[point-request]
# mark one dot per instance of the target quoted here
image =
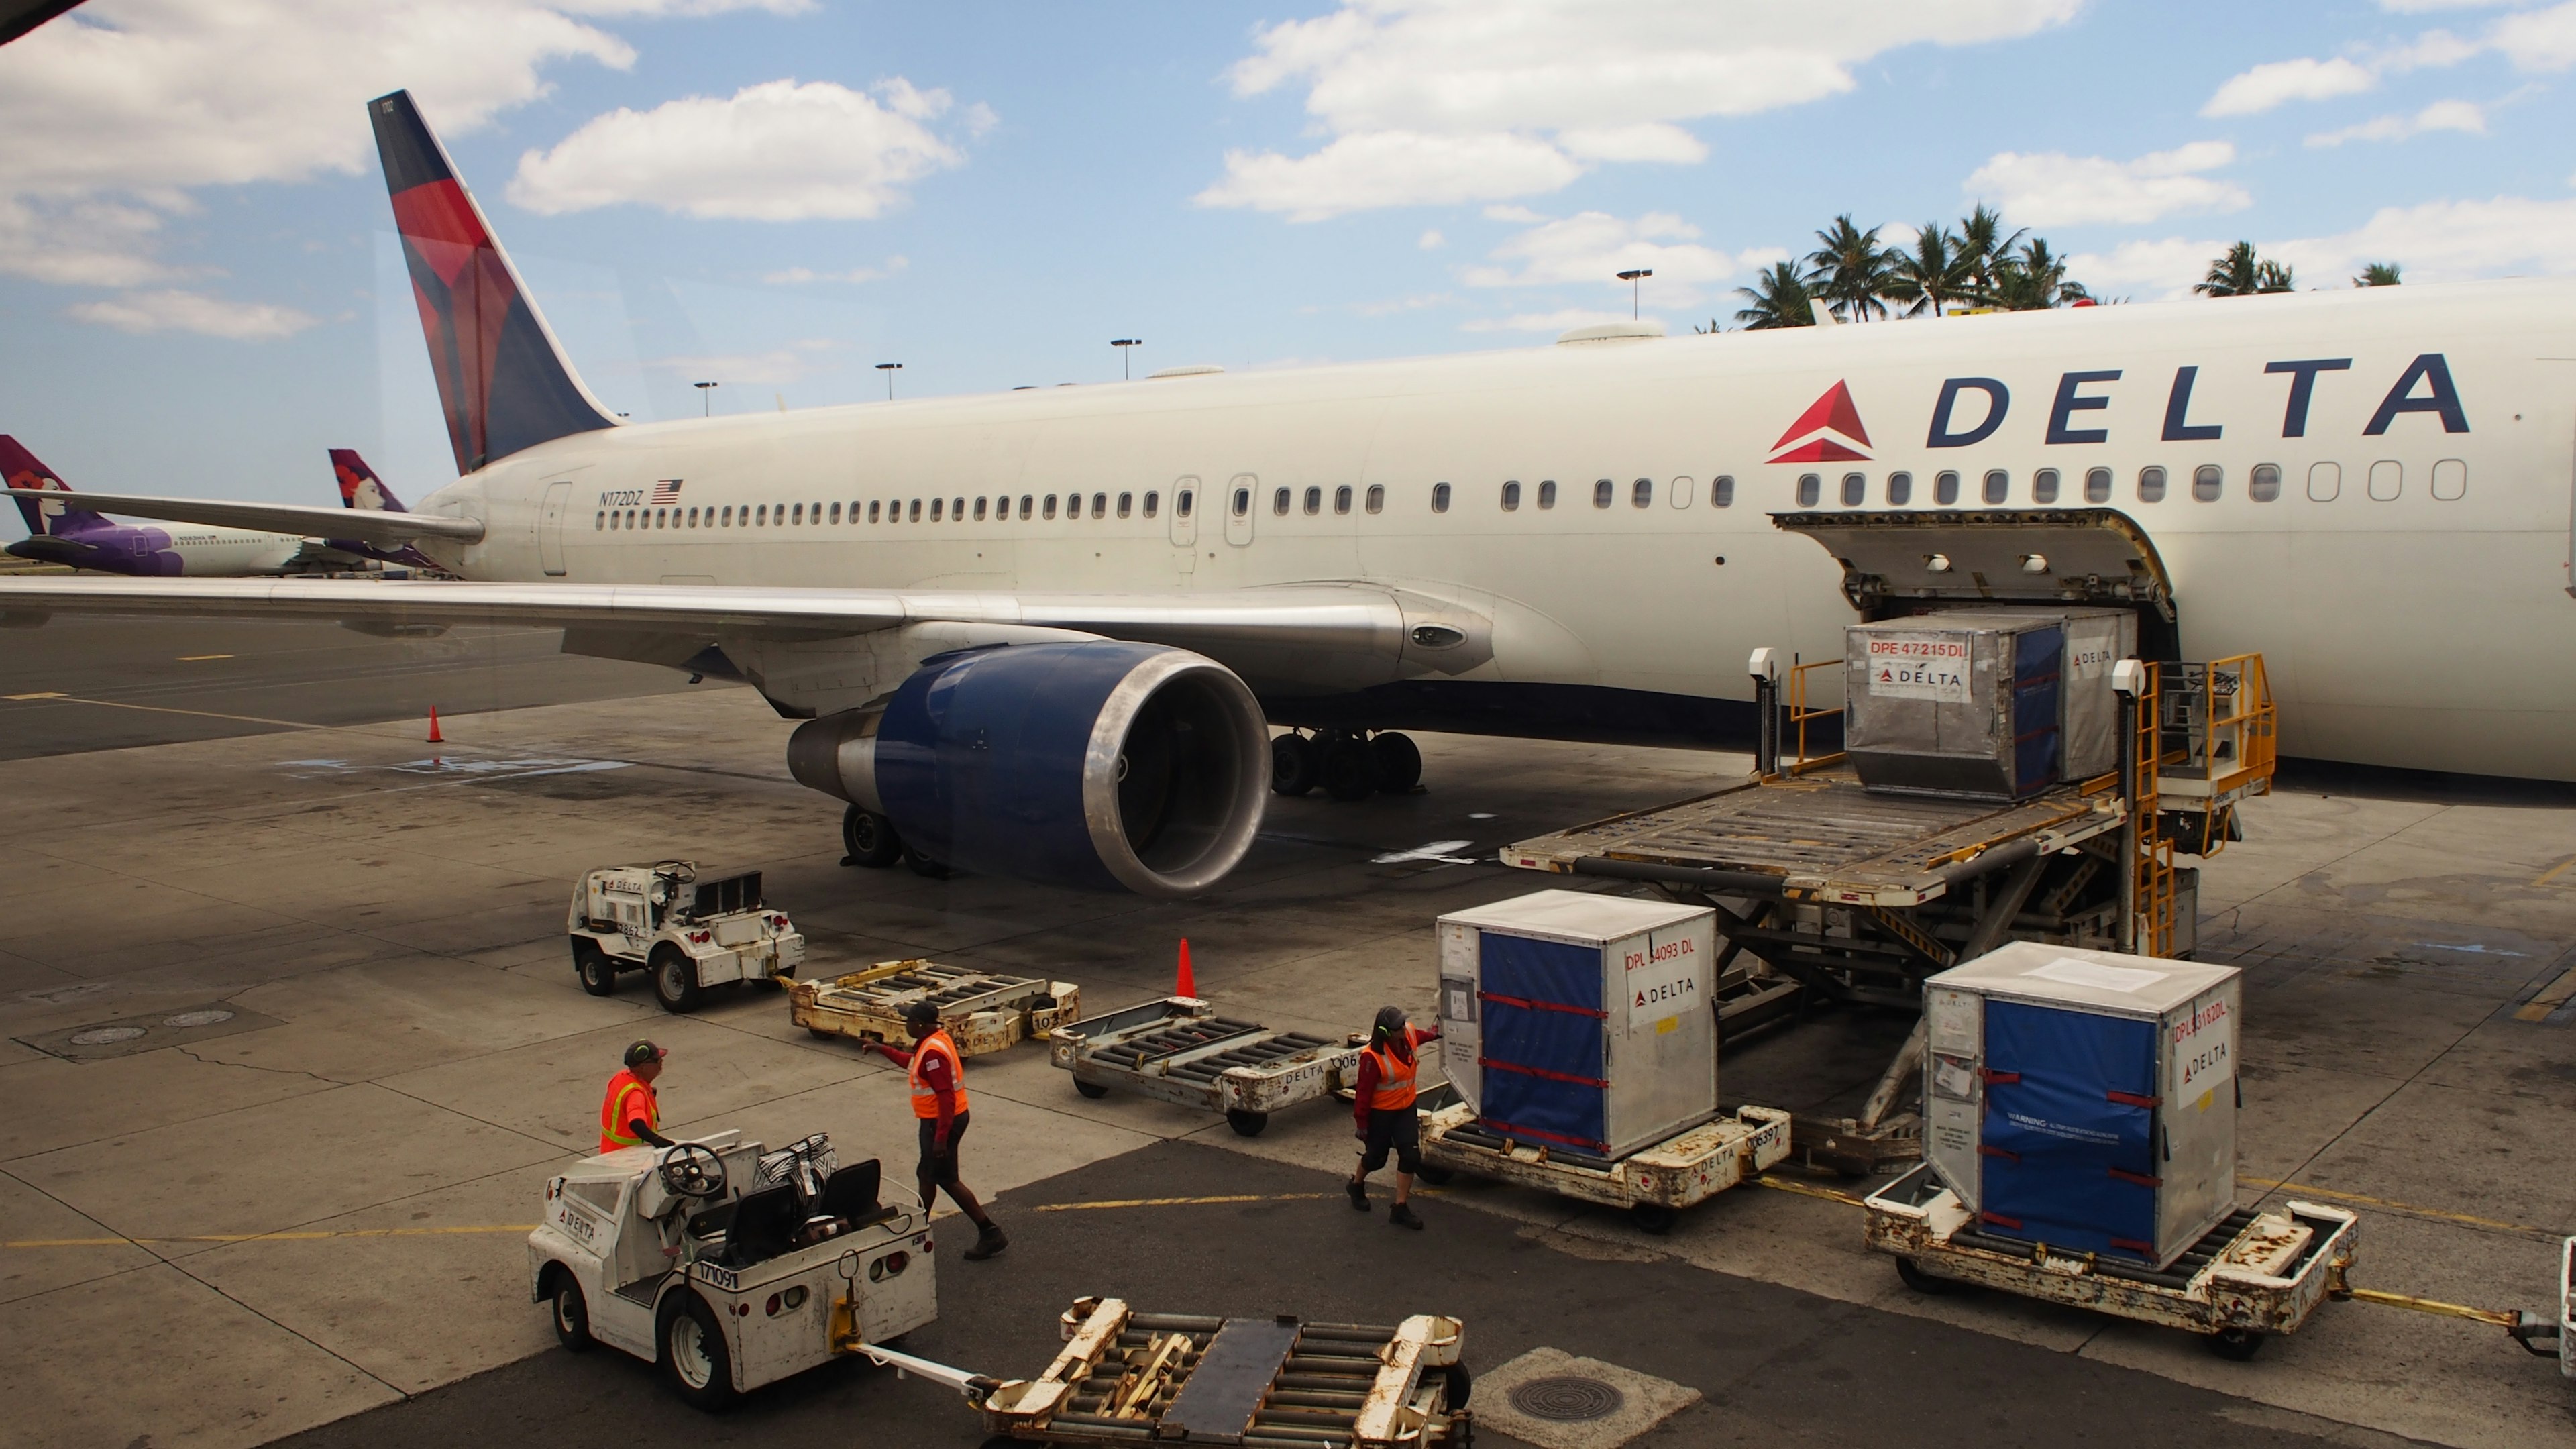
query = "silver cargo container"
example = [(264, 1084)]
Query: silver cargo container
[(2089, 709), (2084, 1099), (1985, 703)]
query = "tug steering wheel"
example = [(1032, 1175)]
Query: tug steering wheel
[(693, 1169)]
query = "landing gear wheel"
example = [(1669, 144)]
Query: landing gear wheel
[(598, 974), (1653, 1218), (869, 838), (1091, 1089), (1348, 770), (1294, 769), (923, 865), (675, 979), (1246, 1124), (1437, 1176), (1456, 1385), (695, 1357), (572, 1316), (1399, 763), (1920, 1281), (2236, 1344)]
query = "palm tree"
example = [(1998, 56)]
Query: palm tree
[(2377, 274), (1982, 242), (1780, 299), (2241, 273), (1851, 270), (1930, 277), (2033, 278)]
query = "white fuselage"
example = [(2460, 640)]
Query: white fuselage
[(209, 552), (2407, 587)]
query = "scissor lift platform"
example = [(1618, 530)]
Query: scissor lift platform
[(2252, 1276), (982, 1011), (1180, 1050)]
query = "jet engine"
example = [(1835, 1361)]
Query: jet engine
[(1095, 763)]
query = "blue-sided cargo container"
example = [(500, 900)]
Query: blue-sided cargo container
[(2084, 1099), (1581, 1022), (1991, 704)]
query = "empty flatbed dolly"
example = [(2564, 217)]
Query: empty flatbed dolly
[(1179, 1050), (2254, 1275), (1126, 1377), (982, 1011)]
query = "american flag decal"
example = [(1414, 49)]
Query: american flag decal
[(665, 491)]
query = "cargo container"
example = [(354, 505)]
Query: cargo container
[(1984, 704), (2084, 1099), (1581, 1022)]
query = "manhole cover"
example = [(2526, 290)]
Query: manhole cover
[(1567, 1398), (106, 1035), (196, 1018)]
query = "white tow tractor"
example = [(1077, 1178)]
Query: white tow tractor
[(689, 933), (729, 1266)]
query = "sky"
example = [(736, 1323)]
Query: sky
[(201, 293)]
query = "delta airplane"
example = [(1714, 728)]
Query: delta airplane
[(1046, 633)]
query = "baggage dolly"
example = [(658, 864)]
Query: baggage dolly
[(1272, 1383), (2254, 1275), (981, 1010), (1653, 1184), (1180, 1050)]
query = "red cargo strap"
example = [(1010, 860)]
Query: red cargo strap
[(1529, 1005), (1987, 1149), (1507, 1129), (2140, 1178), (2132, 1099), (2143, 1250), (1993, 1077), (1999, 1220), (1541, 1072)]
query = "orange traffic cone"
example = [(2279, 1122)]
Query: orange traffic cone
[(435, 737), (1187, 984)]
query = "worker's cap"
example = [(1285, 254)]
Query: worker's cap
[(921, 1013), (1390, 1020), (639, 1052)]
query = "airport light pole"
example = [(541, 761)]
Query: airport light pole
[(889, 369), (1122, 344), (1632, 279), (706, 394)]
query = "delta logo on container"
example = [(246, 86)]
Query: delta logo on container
[(1829, 431)]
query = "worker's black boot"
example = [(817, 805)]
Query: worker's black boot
[(1401, 1215), (1359, 1194), (988, 1242)]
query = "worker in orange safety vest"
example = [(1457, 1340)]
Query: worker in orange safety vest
[(1388, 1120), (937, 1074), (630, 1113)]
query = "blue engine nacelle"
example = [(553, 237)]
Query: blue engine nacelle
[(1098, 763)]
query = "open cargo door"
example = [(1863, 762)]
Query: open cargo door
[(1894, 562)]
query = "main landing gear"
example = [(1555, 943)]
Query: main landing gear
[(1345, 764), (870, 840)]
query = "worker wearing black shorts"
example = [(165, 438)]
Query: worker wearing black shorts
[(1387, 1117), (938, 1077)]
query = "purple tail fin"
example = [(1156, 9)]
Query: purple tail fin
[(502, 380), (359, 485), (22, 469)]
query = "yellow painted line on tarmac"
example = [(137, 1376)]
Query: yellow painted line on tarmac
[(2408, 1208), (2555, 871), (1805, 1189), (199, 658), (2552, 996), (40, 694), (298, 1237), (295, 724), (1136, 1202)]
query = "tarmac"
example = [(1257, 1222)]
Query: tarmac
[(307, 1219)]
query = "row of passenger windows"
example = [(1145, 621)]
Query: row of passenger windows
[(1605, 492), (2387, 481), (798, 515)]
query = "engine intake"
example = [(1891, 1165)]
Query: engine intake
[(1100, 763)]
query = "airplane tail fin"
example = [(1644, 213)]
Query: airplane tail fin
[(502, 378), (44, 517), (359, 485)]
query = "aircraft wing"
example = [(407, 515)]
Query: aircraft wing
[(387, 530)]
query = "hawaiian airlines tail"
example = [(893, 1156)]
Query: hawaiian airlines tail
[(45, 517), (502, 380), (359, 485)]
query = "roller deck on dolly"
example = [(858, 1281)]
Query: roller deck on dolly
[(1180, 1050), (1830, 891), (981, 1010), (1654, 1185)]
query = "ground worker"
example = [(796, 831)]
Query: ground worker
[(937, 1073), (630, 1113), (1387, 1118)]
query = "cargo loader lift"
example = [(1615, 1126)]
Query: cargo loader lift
[(1126, 1377), (981, 1010), (1826, 891), (1180, 1050)]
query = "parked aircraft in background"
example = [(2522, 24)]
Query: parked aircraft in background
[(360, 488), (61, 531), (1044, 633)]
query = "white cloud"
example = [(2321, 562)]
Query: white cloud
[(2440, 116), (2158, 268), (175, 311), (2538, 39), (1593, 247), (1433, 101), (777, 367), (1432, 240), (799, 276), (1557, 321), (2445, 241), (778, 151), (2052, 188), (2280, 81)]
